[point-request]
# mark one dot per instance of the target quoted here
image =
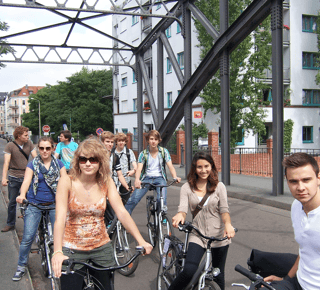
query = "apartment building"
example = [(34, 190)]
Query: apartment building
[(301, 93), (17, 104), (2, 112)]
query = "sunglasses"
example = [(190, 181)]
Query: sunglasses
[(45, 148), (84, 160)]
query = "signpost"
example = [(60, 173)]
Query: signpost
[(46, 129), (99, 131)]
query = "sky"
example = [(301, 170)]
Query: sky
[(17, 75)]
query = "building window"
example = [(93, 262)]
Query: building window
[(168, 32), (124, 81), (23, 102), (169, 65), (135, 134), (135, 19), (23, 111), (169, 99), (181, 60), (134, 77), (240, 136), (307, 134), (311, 97), (159, 5), (124, 130), (135, 106), (178, 25), (309, 23), (309, 60)]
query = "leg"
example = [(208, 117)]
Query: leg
[(73, 281), (219, 257), (160, 181), (31, 223), (13, 191), (134, 199), (102, 278), (194, 255)]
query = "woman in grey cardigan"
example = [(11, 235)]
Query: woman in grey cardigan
[(212, 220)]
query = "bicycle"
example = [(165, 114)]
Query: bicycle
[(90, 281), (44, 241), (173, 260), (158, 222), (257, 280)]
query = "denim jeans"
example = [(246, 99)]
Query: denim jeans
[(14, 185), (31, 223), (138, 194)]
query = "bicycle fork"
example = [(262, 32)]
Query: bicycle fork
[(208, 272), (48, 241)]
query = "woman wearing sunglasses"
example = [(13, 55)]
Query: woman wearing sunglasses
[(39, 186), (79, 231)]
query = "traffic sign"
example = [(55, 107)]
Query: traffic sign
[(46, 128), (99, 131)]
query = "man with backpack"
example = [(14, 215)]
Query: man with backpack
[(151, 168)]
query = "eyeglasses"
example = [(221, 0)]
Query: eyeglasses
[(84, 160), (45, 148)]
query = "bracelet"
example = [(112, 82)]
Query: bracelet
[(56, 252)]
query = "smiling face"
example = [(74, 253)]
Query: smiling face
[(203, 169), (304, 186), (108, 143), (88, 163), (45, 149)]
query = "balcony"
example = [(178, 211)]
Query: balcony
[(148, 55), (146, 24), (14, 125), (286, 74), (12, 115), (13, 106)]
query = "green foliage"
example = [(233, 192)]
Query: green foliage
[(287, 135), (4, 50), (247, 63), (77, 100), (200, 130)]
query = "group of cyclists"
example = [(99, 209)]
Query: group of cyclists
[(98, 164)]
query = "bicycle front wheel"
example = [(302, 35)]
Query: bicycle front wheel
[(165, 228), (124, 248), (209, 285), (151, 221)]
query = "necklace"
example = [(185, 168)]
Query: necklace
[(87, 191)]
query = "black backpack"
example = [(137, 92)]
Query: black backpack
[(114, 157)]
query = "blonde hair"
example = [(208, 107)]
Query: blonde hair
[(120, 137), (106, 135), (95, 148)]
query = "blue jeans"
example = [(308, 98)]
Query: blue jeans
[(31, 223), (14, 185), (138, 194)]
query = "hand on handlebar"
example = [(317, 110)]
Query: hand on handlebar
[(137, 183), (20, 199), (272, 278), (56, 261), (229, 231), (177, 179), (178, 218), (147, 248)]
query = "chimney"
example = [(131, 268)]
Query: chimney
[(26, 86)]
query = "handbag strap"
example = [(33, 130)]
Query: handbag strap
[(24, 153), (200, 205)]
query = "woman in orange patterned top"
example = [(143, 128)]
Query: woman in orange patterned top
[(79, 230)]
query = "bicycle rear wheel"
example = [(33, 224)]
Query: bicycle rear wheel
[(151, 223), (165, 228), (124, 248)]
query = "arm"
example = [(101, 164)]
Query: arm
[(64, 186), (122, 180), (124, 217), (56, 154), (28, 175), (228, 228), (173, 171), (7, 158), (134, 170), (137, 183), (34, 152), (180, 217)]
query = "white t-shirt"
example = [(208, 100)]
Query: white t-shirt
[(154, 168), (307, 234)]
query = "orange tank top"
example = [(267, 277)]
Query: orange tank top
[(85, 228)]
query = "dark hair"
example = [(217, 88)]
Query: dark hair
[(155, 134), (66, 134), (192, 177), (300, 159), (19, 131), (46, 138)]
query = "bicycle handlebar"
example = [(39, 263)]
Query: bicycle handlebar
[(188, 227), (157, 185), (253, 277), (71, 262)]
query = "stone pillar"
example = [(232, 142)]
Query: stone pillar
[(180, 139), (129, 142), (269, 145), (213, 143)]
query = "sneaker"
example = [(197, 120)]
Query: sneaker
[(18, 275)]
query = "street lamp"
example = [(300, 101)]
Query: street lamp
[(39, 117)]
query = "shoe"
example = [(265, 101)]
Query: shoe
[(8, 228), (18, 275)]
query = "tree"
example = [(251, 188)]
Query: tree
[(247, 64), (77, 102), (198, 130), (4, 49)]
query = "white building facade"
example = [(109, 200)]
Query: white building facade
[(300, 50)]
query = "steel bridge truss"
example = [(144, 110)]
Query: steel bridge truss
[(225, 41)]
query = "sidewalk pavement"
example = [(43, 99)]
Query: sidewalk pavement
[(9, 253), (252, 188)]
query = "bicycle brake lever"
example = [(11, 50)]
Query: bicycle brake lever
[(241, 285)]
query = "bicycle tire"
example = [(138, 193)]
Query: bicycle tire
[(165, 229), (169, 268), (42, 251), (55, 283), (151, 221), (123, 249), (209, 285)]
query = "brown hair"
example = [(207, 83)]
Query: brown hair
[(120, 137), (106, 135), (192, 177), (300, 159), (46, 138), (19, 131), (96, 148), (66, 134), (155, 134)]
